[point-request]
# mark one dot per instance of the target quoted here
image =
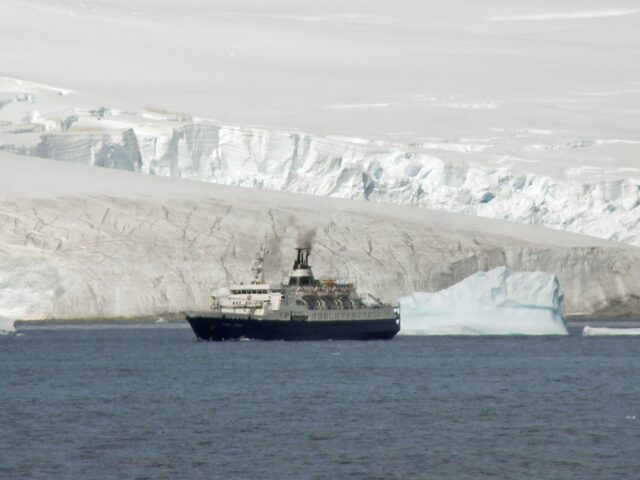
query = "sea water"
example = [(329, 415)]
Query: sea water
[(152, 402)]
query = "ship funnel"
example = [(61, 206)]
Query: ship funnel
[(302, 259), (302, 275)]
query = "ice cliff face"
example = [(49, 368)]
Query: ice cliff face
[(498, 302), (99, 149), (459, 175), (301, 163), (78, 242)]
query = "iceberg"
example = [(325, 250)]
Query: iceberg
[(607, 331), (6, 325), (497, 302)]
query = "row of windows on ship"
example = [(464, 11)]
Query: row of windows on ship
[(248, 292), (352, 315), (348, 315), (353, 306)]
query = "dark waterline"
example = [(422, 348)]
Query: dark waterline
[(151, 402)]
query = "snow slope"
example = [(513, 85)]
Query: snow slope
[(78, 242), (498, 302), (53, 123)]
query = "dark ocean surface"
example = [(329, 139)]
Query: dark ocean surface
[(151, 402)]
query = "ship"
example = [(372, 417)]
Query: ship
[(304, 308)]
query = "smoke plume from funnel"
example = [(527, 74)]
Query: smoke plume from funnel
[(306, 238), (273, 261)]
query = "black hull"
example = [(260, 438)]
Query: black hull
[(232, 327)]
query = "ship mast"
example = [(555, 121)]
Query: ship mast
[(258, 263)]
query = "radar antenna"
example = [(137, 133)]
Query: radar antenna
[(258, 263)]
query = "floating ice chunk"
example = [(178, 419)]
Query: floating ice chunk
[(498, 302), (6, 325), (606, 331)]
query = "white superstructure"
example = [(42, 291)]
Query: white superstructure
[(304, 298)]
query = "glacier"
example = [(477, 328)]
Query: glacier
[(314, 98), (80, 242), (497, 302), (472, 126), (468, 176)]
